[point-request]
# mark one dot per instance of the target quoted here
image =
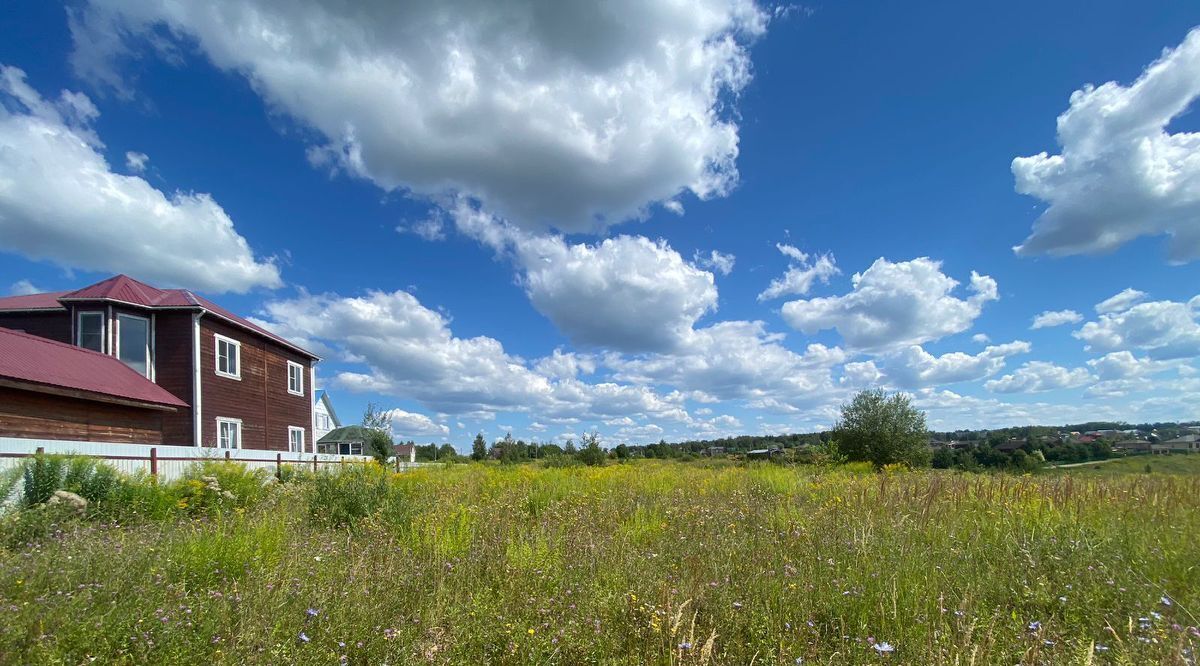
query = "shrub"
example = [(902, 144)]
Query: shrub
[(217, 485), (343, 498), (43, 475)]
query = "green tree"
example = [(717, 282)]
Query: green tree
[(883, 429), (478, 448), (570, 449), (379, 437), (591, 453)]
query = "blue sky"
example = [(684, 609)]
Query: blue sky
[(492, 217)]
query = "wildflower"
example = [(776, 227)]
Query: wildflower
[(1166, 601), (1100, 647), (1062, 599), (312, 612), (530, 631), (685, 646), (737, 605), (304, 637), (799, 660), (884, 647), (1035, 626)]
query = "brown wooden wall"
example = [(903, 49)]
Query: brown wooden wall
[(50, 325), (29, 414), (173, 371), (260, 399)]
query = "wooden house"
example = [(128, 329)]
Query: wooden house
[(237, 385)]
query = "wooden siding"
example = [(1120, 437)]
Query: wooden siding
[(173, 371), (29, 414), (49, 325), (260, 399)]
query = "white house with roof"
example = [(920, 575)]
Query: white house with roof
[(325, 419)]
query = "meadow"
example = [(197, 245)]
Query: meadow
[(639, 563)]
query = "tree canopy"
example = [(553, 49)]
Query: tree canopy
[(882, 429)]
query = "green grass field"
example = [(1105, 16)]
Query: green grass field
[(1169, 464), (659, 563)]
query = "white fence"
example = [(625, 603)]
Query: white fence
[(169, 462)]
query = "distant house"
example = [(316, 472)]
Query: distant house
[(1141, 446), (1184, 444), (53, 390), (325, 418), (1011, 445), (759, 454), (405, 452), (714, 451), (348, 440), (233, 384)]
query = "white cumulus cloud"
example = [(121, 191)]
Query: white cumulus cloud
[(1038, 376), (1120, 173), (716, 261), (895, 304), (570, 114), (407, 425), (1162, 329), (914, 367), (1124, 300), (1051, 318), (61, 202), (801, 273)]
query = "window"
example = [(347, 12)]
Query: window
[(133, 342), (351, 448), (295, 439), (295, 378), (229, 433), (89, 331), (323, 421), (229, 357)]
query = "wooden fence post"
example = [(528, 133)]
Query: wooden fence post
[(314, 463), (227, 454), (154, 462), (41, 450), (279, 466), (397, 463)]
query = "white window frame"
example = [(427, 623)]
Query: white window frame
[(237, 423), (149, 341), (292, 430), (237, 355), (292, 365), (79, 328)]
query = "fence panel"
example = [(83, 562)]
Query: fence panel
[(169, 462)]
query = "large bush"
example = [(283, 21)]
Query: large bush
[(883, 430)]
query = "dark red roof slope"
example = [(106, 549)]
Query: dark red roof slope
[(28, 358), (124, 289), (46, 301)]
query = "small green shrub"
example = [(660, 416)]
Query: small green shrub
[(218, 485), (344, 497), (42, 475)]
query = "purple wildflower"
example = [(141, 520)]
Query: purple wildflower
[(884, 647), (304, 637)]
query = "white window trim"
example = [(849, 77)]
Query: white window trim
[(149, 341), (236, 422), (79, 328), (294, 429), (299, 377), (237, 348)]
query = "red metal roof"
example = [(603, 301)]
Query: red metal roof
[(28, 358), (46, 301), (124, 289)]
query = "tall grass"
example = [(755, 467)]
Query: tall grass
[(656, 563)]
